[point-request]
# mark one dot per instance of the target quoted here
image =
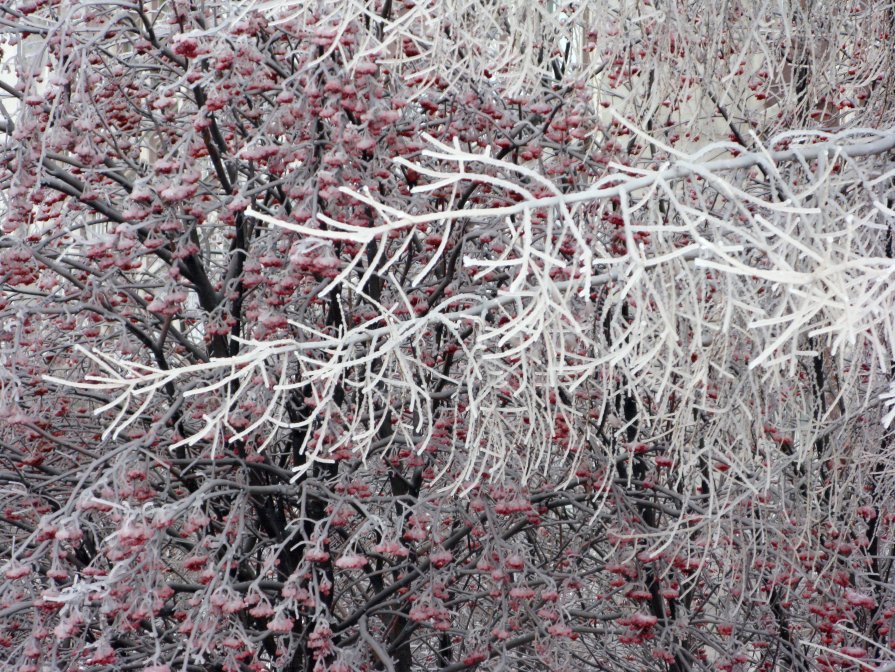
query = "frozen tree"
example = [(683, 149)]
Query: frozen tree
[(447, 335)]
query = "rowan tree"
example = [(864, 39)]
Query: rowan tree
[(445, 335)]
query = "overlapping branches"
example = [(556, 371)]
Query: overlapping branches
[(280, 285), (780, 256)]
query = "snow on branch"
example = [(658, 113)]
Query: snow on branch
[(657, 276)]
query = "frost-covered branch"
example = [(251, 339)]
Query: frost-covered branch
[(800, 275)]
